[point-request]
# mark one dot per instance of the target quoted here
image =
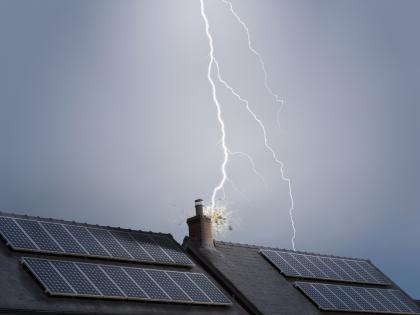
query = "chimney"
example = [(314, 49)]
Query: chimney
[(200, 227)]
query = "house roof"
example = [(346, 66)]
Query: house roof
[(252, 283), (21, 293), (250, 276)]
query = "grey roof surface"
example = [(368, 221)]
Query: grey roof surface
[(21, 294), (250, 276)]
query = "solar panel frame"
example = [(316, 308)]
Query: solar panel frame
[(85, 241), (62, 268), (336, 300), (311, 266)]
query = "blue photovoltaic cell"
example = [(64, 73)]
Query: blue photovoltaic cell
[(209, 288), (307, 263), (369, 299), (14, 235), (106, 281), (173, 251), (147, 284), (343, 275), (315, 295), (100, 279), (294, 264), (151, 247), (351, 298), (403, 298), (188, 286), (360, 297), (76, 279), (348, 299), (48, 276), (383, 300), (80, 240), (63, 237), (391, 297), (328, 292), (86, 239), (280, 263), (123, 281), (131, 246), (364, 273), (353, 274), (330, 273), (109, 242), (167, 284), (38, 235), (375, 273)]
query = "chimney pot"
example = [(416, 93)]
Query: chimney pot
[(199, 207)]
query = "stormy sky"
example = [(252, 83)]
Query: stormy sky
[(106, 117)]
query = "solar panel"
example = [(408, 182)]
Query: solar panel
[(109, 243), (87, 240), (331, 297), (188, 286), (309, 266), (75, 278), (102, 281), (64, 238), (123, 281), (36, 233), (14, 235), (131, 246), (154, 291), (172, 250), (208, 287), (156, 252), (109, 281), (78, 240), (168, 285), (49, 277)]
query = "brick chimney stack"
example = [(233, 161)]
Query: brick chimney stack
[(200, 227)]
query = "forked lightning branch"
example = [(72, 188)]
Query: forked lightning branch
[(214, 69)]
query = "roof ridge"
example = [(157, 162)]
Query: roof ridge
[(72, 222), (284, 249)]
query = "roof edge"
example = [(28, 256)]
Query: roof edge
[(97, 226)]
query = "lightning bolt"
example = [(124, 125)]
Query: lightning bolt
[(225, 149), (275, 96), (226, 152)]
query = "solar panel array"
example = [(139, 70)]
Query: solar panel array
[(324, 267), (67, 278), (69, 239), (357, 299)]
